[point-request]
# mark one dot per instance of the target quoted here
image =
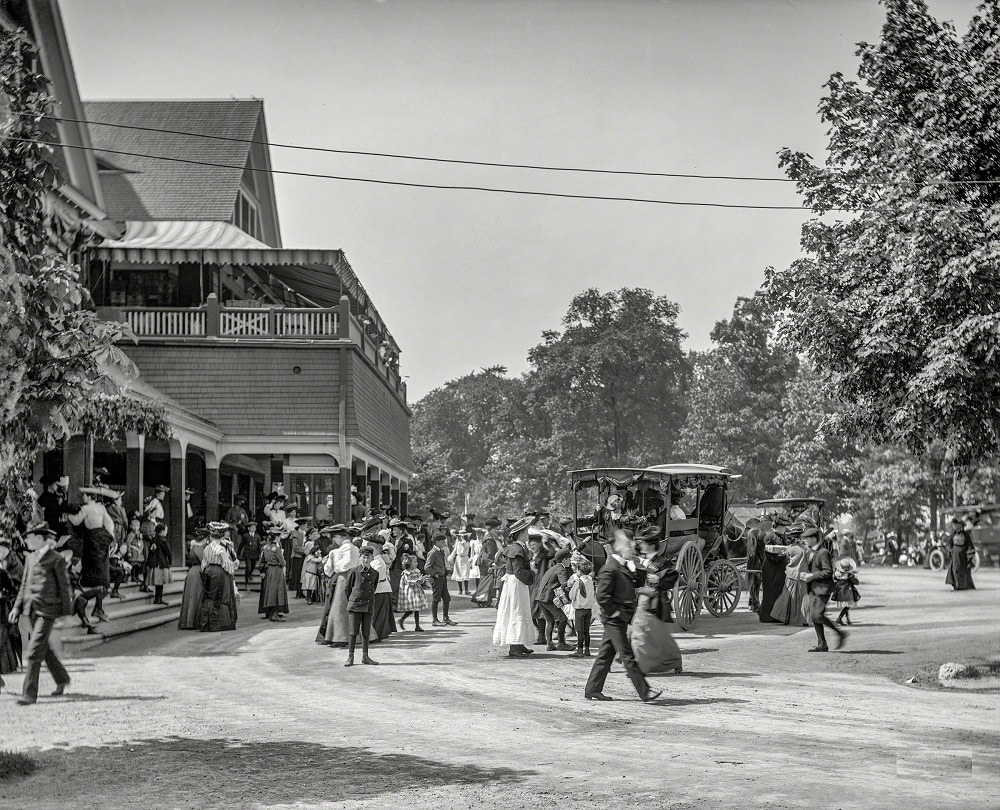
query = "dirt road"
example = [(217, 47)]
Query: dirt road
[(263, 717)]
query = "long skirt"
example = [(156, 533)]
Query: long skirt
[(395, 575), (960, 571), (338, 628), (483, 594), (218, 604), (10, 641), (95, 562), (327, 605), (194, 591), (788, 607), (295, 573), (514, 625), (772, 575), (383, 622), (273, 591), (652, 642)]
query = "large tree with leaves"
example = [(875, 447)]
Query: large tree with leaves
[(614, 379), (897, 299), (735, 402), (62, 368)]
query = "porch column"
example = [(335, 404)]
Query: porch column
[(342, 503), (212, 487), (175, 513), (78, 462), (404, 504), (135, 444), (374, 488)]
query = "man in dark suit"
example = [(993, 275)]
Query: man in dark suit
[(45, 595), (615, 589)]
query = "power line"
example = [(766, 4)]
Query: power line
[(394, 156), (489, 189), (490, 164)]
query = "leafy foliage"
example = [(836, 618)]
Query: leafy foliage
[(62, 364), (735, 400), (898, 303)]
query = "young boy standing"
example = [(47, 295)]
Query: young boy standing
[(361, 583), (584, 595)]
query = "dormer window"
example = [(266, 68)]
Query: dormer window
[(245, 214)]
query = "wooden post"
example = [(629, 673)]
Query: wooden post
[(134, 456), (212, 315), (344, 322)]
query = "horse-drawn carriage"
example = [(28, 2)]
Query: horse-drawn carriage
[(698, 545)]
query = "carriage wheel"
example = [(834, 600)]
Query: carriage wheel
[(936, 560), (722, 588), (687, 591)]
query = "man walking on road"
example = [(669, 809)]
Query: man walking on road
[(616, 598), (45, 595)]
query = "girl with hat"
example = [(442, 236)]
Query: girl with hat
[(159, 558), (514, 626), (273, 589), (845, 588), (383, 619)]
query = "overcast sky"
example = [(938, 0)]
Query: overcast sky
[(466, 279)]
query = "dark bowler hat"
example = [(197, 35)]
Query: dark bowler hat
[(562, 554), (492, 522), (647, 534)]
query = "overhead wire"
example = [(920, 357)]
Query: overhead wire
[(440, 186)]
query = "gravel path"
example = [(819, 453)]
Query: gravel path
[(263, 717)]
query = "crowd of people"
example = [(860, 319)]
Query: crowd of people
[(384, 569)]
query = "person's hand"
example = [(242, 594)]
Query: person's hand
[(15, 614)]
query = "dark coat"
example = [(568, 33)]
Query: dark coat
[(555, 578), (250, 545), (515, 560), (361, 583), (158, 555), (434, 565), (615, 590), (45, 589), (821, 566)]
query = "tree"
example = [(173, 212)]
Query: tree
[(613, 381), (897, 299), (62, 368), (811, 462), (735, 400)]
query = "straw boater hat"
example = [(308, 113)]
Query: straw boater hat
[(41, 528), (847, 564), (521, 525), (218, 527)]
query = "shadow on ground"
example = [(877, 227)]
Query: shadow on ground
[(188, 772)]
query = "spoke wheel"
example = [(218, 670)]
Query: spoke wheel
[(687, 591), (936, 560), (722, 588)]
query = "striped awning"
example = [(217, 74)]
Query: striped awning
[(321, 276)]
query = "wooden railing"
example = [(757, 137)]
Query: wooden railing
[(312, 322), (147, 321)]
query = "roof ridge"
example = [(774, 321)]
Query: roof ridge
[(257, 99)]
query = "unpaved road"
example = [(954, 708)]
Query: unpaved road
[(263, 717)]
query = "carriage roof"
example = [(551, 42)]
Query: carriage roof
[(791, 502), (660, 471), (971, 509)]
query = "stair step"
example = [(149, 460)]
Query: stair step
[(75, 645), (75, 634)]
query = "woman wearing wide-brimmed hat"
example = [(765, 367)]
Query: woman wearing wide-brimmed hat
[(655, 650), (514, 625)]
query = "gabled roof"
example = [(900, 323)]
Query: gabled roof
[(143, 188)]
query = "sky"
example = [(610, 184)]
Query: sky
[(466, 279)]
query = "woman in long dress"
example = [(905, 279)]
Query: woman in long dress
[(962, 555), (475, 562), (98, 536), (190, 618), (273, 589), (345, 558), (652, 642), (514, 625), (788, 607), (383, 620), (11, 573), (218, 565), (772, 574), (461, 555)]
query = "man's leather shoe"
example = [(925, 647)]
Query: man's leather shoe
[(349, 662), (366, 660), (841, 638), (60, 689), (819, 648), (25, 701), (597, 696), (563, 647), (652, 695), (450, 623)]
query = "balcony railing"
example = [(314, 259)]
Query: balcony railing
[(232, 322)]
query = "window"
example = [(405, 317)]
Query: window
[(246, 216), (143, 287)]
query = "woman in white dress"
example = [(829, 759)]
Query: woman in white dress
[(475, 561), (462, 560), (514, 626)]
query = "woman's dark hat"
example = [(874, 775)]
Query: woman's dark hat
[(562, 554), (492, 522)]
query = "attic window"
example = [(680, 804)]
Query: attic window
[(245, 215)]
